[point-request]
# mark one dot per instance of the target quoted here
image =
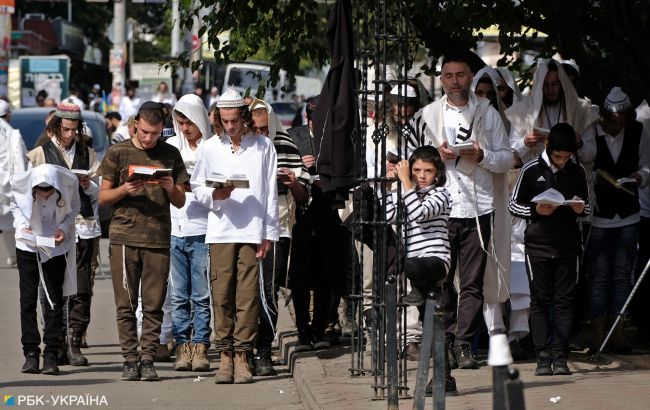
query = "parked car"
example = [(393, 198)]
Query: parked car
[(31, 123), (286, 111)]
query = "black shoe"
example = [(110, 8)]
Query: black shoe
[(49, 365), (450, 387), (131, 371), (465, 356), (148, 372), (31, 363), (251, 362), (451, 357), (264, 364), (331, 337), (518, 352), (544, 364), (304, 343), (321, 344), (560, 367), (414, 298)]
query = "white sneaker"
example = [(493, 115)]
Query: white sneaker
[(11, 261)]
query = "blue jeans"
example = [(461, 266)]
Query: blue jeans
[(190, 290), (610, 258)]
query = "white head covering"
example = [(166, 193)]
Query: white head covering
[(571, 63), (407, 91), (230, 99), (510, 82), (275, 125), (67, 183), (491, 73), (617, 101), (191, 106)]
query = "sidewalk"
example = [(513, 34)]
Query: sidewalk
[(619, 382)]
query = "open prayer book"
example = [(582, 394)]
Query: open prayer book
[(87, 172), (554, 197), (145, 173), (618, 183), (220, 181), (457, 148), (44, 243)]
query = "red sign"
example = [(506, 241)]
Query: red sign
[(195, 42)]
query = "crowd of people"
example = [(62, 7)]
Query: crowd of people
[(524, 214)]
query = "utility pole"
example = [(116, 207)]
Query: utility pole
[(116, 63), (176, 39)]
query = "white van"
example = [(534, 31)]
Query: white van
[(242, 76)]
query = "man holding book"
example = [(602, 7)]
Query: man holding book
[(622, 166), (241, 226), (68, 147), (140, 233), (552, 243)]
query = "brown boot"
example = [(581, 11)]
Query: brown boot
[(74, 349), (243, 372), (200, 362), (225, 373), (183, 355)]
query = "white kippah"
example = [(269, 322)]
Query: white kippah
[(230, 99), (409, 92), (617, 101)]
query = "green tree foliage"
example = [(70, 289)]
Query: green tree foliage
[(607, 38)]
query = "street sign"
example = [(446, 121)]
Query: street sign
[(49, 73)]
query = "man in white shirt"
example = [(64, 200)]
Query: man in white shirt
[(190, 289), (242, 223), (477, 183), (622, 166), (129, 104), (13, 160)]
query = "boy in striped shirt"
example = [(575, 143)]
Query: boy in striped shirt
[(426, 205)]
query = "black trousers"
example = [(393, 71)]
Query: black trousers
[(79, 305), (321, 258), (552, 283), (463, 312), (274, 274), (425, 275), (53, 275)]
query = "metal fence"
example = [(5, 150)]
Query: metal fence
[(382, 50)]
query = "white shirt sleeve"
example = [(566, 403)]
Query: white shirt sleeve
[(588, 151)]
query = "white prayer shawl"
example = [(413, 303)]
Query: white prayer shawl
[(497, 271), (493, 75), (511, 83), (13, 159), (191, 106), (275, 124), (525, 115), (286, 203), (67, 184)]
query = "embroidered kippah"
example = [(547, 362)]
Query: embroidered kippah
[(68, 109), (230, 99)]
